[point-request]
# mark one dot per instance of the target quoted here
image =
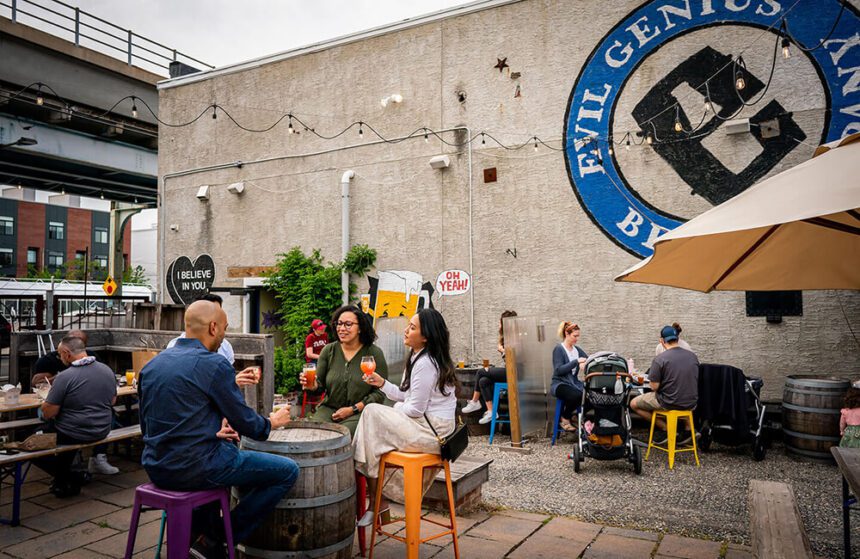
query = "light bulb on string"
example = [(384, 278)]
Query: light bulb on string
[(19, 186), (678, 126), (102, 195), (483, 140), (650, 139), (135, 199), (361, 130), (214, 112), (536, 146), (627, 143), (133, 108), (39, 99), (610, 148), (786, 42), (426, 137), (290, 129), (740, 66), (63, 191)]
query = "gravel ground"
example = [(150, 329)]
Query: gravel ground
[(708, 502)]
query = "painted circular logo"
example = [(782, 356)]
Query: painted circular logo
[(731, 136)]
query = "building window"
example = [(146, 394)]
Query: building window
[(102, 261), (56, 230), (32, 257), (80, 255), (7, 225), (5, 257), (55, 259), (101, 235)]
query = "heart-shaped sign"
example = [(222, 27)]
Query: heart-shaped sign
[(187, 281)]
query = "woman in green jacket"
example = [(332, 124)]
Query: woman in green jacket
[(339, 369)]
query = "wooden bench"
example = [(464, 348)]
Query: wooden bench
[(776, 530), (13, 465), (468, 475), (20, 424)]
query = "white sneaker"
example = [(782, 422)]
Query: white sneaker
[(100, 465), (472, 406), (486, 418)]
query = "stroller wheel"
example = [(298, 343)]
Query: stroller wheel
[(637, 460), (577, 458), (759, 449)]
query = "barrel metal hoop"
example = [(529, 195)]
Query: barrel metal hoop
[(826, 393), (304, 554), (825, 456), (819, 383), (793, 407), (324, 461), (810, 437), (320, 501), (294, 448)]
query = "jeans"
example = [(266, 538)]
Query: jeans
[(572, 399), (263, 479), (485, 381)]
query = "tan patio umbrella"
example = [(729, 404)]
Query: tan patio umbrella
[(797, 230)]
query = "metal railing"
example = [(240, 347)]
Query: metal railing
[(99, 34)]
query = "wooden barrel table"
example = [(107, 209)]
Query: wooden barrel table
[(810, 414), (466, 387), (317, 517)]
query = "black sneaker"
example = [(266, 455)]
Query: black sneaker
[(660, 438), (65, 490)]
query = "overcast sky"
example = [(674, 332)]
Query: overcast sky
[(221, 32)]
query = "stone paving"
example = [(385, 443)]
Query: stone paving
[(94, 525)]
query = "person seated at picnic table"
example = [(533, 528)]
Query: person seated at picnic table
[(486, 379), (191, 412), (339, 369), (315, 341), (681, 343), (674, 382), (79, 408), (49, 365), (567, 360), (426, 393), (849, 418)]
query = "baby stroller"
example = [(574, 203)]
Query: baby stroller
[(730, 410), (606, 386)]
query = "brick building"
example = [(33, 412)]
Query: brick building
[(49, 236)]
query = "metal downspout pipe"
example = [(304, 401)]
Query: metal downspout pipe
[(344, 230)]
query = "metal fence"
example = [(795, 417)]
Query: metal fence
[(88, 30)]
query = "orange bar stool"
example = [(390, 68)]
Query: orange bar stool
[(671, 417), (413, 465)]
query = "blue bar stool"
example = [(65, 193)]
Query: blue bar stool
[(497, 389), (559, 406)]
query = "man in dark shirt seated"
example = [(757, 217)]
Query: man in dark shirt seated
[(191, 411), (674, 379), (49, 365), (80, 408)]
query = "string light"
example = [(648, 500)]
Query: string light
[(650, 139), (786, 42), (536, 148), (361, 129), (133, 108), (740, 66), (678, 126), (290, 129), (40, 100), (483, 140), (214, 112), (63, 191), (102, 195), (627, 143), (611, 150), (426, 137)]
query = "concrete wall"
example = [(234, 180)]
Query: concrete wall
[(418, 217)]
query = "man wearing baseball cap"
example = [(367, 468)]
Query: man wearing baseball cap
[(674, 377), (315, 341)]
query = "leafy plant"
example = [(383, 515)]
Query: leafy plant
[(306, 288)]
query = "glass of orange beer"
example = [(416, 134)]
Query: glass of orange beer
[(310, 370), (368, 365)]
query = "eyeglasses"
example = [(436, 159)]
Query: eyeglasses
[(346, 325)]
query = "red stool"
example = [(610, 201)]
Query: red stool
[(178, 505), (310, 400)]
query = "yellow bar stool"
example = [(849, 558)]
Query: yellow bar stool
[(413, 465), (671, 417)]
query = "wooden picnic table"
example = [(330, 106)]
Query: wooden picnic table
[(31, 401), (848, 460)]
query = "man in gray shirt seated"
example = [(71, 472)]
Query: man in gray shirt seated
[(79, 406), (674, 378)]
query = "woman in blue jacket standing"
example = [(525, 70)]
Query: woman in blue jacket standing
[(567, 359)]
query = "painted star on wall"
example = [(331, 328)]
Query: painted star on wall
[(501, 64)]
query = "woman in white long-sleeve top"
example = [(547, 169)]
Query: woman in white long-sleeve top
[(427, 393)]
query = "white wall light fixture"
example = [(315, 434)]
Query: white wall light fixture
[(393, 98), (203, 193), (236, 188), (440, 162)]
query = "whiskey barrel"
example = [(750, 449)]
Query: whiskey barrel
[(317, 517), (810, 414), (465, 388)]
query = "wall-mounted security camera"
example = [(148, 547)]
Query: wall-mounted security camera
[(203, 193), (440, 162), (174, 227), (236, 188)]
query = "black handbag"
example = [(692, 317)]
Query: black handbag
[(452, 446)]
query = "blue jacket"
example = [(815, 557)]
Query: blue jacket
[(184, 393), (565, 371)]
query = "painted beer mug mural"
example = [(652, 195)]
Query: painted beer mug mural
[(398, 293)]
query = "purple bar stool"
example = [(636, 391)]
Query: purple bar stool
[(178, 505)]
